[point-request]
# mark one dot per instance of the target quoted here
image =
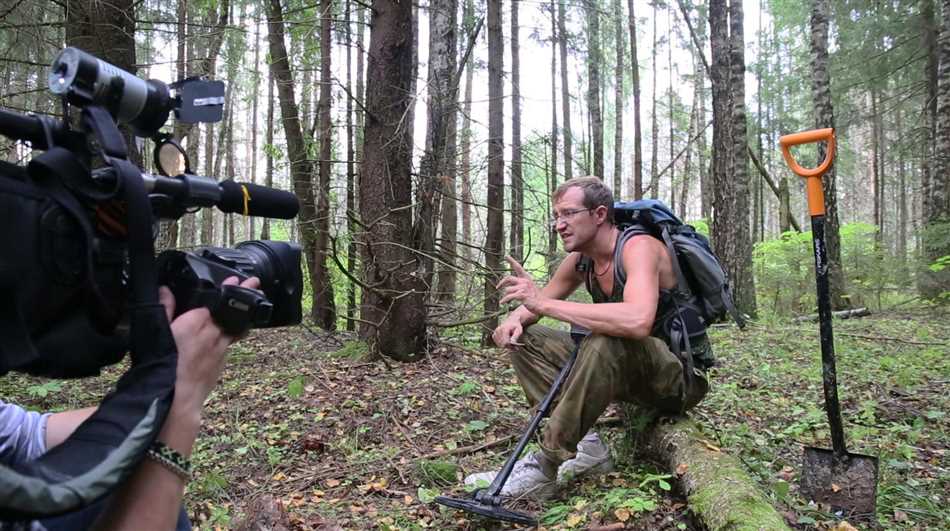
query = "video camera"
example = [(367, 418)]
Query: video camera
[(79, 277)]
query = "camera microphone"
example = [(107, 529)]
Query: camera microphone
[(255, 200)]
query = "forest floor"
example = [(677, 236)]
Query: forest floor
[(304, 431)]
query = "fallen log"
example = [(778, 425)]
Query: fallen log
[(719, 490), (843, 314)]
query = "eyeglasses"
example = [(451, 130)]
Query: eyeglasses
[(567, 215)]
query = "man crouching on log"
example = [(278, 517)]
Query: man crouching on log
[(620, 360)]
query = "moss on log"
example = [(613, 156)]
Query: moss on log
[(719, 490)]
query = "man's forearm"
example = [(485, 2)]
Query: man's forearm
[(616, 319), (151, 497)]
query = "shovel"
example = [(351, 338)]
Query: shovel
[(845, 481), (487, 501)]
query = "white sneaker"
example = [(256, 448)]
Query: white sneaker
[(593, 457), (527, 478)]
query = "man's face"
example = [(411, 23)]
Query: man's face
[(575, 223)]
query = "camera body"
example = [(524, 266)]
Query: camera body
[(79, 276), (70, 288)]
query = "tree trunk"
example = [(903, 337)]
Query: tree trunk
[(565, 93), (637, 191), (255, 103), (231, 174), (737, 206), (690, 132), (824, 117), (875, 167), (730, 227), (618, 99), (466, 145), (593, 87), (705, 179), (929, 34), (350, 167), (301, 168), (393, 310), (324, 303), (207, 214), (269, 152), (516, 249), (937, 217), (653, 190), (717, 486), (552, 180), (352, 227), (784, 212), (902, 221), (496, 167), (670, 107), (436, 188)]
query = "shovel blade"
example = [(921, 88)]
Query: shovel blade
[(847, 483)]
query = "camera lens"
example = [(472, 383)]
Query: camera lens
[(277, 265)]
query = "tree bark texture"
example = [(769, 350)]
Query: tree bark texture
[(935, 242), (654, 189), (824, 117), (730, 227), (496, 166), (593, 87), (393, 308), (466, 145), (637, 186), (350, 166), (565, 93), (552, 180), (301, 168), (437, 180), (618, 99), (719, 490), (516, 247), (324, 304)]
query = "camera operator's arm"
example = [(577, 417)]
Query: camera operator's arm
[(59, 426), (151, 497)]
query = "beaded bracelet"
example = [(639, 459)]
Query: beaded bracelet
[(170, 459)]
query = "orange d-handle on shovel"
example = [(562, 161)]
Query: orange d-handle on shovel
[(816, 195)]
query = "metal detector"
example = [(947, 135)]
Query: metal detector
[(487, 501)]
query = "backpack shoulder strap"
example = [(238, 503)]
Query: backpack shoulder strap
[(620, 273), (584, 265)]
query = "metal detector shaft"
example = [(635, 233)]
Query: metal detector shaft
[(496, 485)]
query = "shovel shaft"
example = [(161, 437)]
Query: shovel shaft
[(829, 374)]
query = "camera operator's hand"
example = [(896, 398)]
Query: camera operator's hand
[(151, 497), (201, 346)]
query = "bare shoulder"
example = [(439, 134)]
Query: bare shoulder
[(642, 246)]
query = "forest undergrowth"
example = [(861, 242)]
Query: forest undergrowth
[(304, 433)]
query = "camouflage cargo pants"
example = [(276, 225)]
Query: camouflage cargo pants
[(607, 369)]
